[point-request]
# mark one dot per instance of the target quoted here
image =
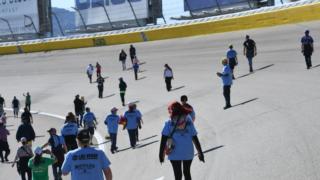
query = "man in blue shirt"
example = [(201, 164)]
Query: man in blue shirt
[(69, 131), (112, 121), (86, 162), (232, 58), (90, 121), (133, 120), (307, 48), (226, 76)]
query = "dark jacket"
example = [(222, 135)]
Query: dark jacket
[(78, 105), (132, 51), (122, 56), (122, 86), (25, 130)]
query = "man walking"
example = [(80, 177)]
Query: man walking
[(249, 50), (226, 76), (26, 116), (232, 59), (123, 88), (28, 101), (132, 119), (90, 121), (78, 109), (89, 71), (112, 121), (132, 52), (86, 162), (69, 132), (123, 58), (307, 48), (100, 86), (15, 107)]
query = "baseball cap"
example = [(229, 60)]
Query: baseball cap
[(52, 129), (84, 135), (38, 150), (114, 109), (23, 139)]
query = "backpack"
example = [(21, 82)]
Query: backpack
[(58, 151)]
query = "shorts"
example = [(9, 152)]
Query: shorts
[(91, 130)]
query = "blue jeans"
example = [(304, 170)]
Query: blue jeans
[(132, 135), (113, 137), (250, 61)]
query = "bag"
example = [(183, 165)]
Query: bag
[(169, 146), (58, 151)]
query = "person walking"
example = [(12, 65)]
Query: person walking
[(232, 59), (58, 148), (90, 70), (69, 131), (24, 154), (27, 131), (168, 76), (123, 88), (78, 109), (226, 76), (122, 59), (4, 146), (307, 48), (86, 162), (178, 137), (100, 86), (28, 101), (249, 50), (39, 164), (139, 122), (15, 106), (90, 122), (132, 119), (98, 70), (132, 53), (2, 104), (135, 67), (112, 121), (26, 116), (184, 102)]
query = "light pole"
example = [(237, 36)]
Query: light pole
[(134, 14), (107, 14), (81, 17), (32, 24), (58, 22)]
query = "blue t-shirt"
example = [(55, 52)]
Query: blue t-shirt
[(88, 119), (182, 138), (56, 140), (132, 119), (231, 54), (69, 128), (306, 40), (112, 122), (226, 76), (85, 163)]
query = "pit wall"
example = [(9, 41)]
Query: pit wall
[(258, 19)]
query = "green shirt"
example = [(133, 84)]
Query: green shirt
[(28, 99), (40, 172)]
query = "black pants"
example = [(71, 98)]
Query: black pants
[(132, 135), (100, 89), (71, 142), (25, 171), (4, 146), (308, 60), (122, 98), (226, 94), (57, 173), (113, 137), (168, 83), (177, 169), (28, 105), (135, 74)]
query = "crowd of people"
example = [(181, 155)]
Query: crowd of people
[(71, 152)]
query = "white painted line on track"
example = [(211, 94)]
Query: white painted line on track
[(97, 135), (160, 178)]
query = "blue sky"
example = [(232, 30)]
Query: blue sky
[(66, 4)]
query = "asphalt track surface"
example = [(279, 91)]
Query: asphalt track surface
[(272, 132)]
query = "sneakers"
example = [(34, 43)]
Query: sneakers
[(227, 107)]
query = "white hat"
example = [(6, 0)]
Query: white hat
[(38, 150)]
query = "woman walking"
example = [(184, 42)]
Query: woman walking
[(39, 165), (178, 137), (168, 76)]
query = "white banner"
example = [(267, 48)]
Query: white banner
[(118, 10), (14, 11)]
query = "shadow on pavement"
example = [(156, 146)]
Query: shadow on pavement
[(109, 96), (147, 144), (125, 149), (143, 77), (211, 149), (105, 142), (177, 88), (245, 102), (40, 136), (144, 139), (142, 63), (315, 66), (102, 77), (259, 69), (141, 71)]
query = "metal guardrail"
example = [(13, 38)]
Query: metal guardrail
[(153, 27)]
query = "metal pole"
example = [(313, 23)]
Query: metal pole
[(218, 5), (58, 22), (107, 14), (134, 14), (50, 18), (81, 17), (34, 27), (13, 36), (188, 6)]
